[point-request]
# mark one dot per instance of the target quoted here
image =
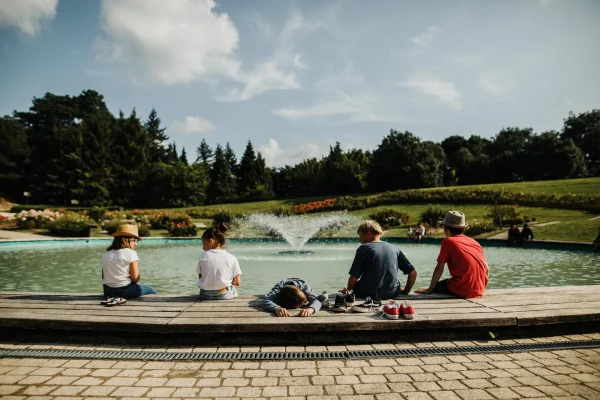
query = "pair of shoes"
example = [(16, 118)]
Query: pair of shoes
[(114, 301), (324, 300), (371, 304), (393, 310), (343, 301)]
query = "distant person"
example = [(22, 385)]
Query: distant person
[(514, 235), (526, 233), (411, 234), (120, 268), (218, 271), (596, 243), (374, 271), (420, 234), (465, 259), (291, 293)]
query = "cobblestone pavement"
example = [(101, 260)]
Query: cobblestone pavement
[(561, 374)]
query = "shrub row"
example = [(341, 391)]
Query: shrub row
[(389, 218), (485, 196)]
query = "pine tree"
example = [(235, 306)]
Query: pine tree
[(231, 158), (246, 175), (157, 137), (222, 183), (183, 157), (204, 153)]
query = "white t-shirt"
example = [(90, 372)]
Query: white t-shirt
[(115, 266), (421, 230), (218, 268)]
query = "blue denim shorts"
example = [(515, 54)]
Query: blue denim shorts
[(130, 291), (230, 293)]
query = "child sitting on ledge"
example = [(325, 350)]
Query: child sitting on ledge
[(291, 293)]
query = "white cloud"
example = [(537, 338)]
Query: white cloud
[(182, 41), (298, 63), (175, 41), (27, 15), (265, 77), (425, 38), (275, 156), (192, 125), (444, 92), (277, 72), (344, 95), (490, 85)]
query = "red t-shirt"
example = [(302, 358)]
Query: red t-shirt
[(467, 266)]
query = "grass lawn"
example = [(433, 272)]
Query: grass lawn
[(574, 224), (584, 186)]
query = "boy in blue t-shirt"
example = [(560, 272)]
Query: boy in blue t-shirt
[(374, 271)]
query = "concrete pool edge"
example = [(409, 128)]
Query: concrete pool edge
[(185, 319)]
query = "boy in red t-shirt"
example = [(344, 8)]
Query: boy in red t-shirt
[(465, 258)]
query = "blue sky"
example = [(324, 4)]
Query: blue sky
[(297, 76)]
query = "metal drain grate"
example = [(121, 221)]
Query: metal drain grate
[(426, 351)]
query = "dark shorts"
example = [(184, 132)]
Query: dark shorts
[(442, 288), (360, 292)]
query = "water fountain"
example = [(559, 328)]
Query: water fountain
[(298, 229)]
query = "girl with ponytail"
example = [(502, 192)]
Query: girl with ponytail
[(218, 271)]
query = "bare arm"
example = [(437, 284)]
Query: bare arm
[(437, 274), (410, 281), (237, 280), (351, 282), (134, 272)]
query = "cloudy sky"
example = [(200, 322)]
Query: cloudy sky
[(297, 76)]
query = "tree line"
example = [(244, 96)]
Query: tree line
[(73, 148)]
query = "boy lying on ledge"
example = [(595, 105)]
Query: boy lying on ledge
[(291, 293), (465, 258)]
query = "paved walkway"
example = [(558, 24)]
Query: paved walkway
[(12, 235), (561, 374)]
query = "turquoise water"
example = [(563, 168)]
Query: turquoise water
[(171, 267)]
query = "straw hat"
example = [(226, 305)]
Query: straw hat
[(127, 230), (454, 219)]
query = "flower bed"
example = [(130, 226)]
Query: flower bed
[(455, 196)]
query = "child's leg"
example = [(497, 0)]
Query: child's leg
[(145, 289), (442, 288), (135, 290)]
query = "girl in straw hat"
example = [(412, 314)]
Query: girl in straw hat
[(120, 269)]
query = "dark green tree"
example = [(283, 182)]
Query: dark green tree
[(14, 159), (183, 157), (222, 187), (548, 157), (130, 160), (231, 158), (157, 137), (401, 161), (584, 130), (506, 151), (247, 173), (339, 174), (204, 153)]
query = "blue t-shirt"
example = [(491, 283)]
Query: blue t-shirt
[(376, 265)]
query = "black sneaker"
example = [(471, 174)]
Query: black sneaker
[(340, 302), (350, 298), (324, 300), (370, 305)]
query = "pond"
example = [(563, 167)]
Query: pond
[(170, 266)]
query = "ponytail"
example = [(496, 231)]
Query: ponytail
[(217, 233)]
